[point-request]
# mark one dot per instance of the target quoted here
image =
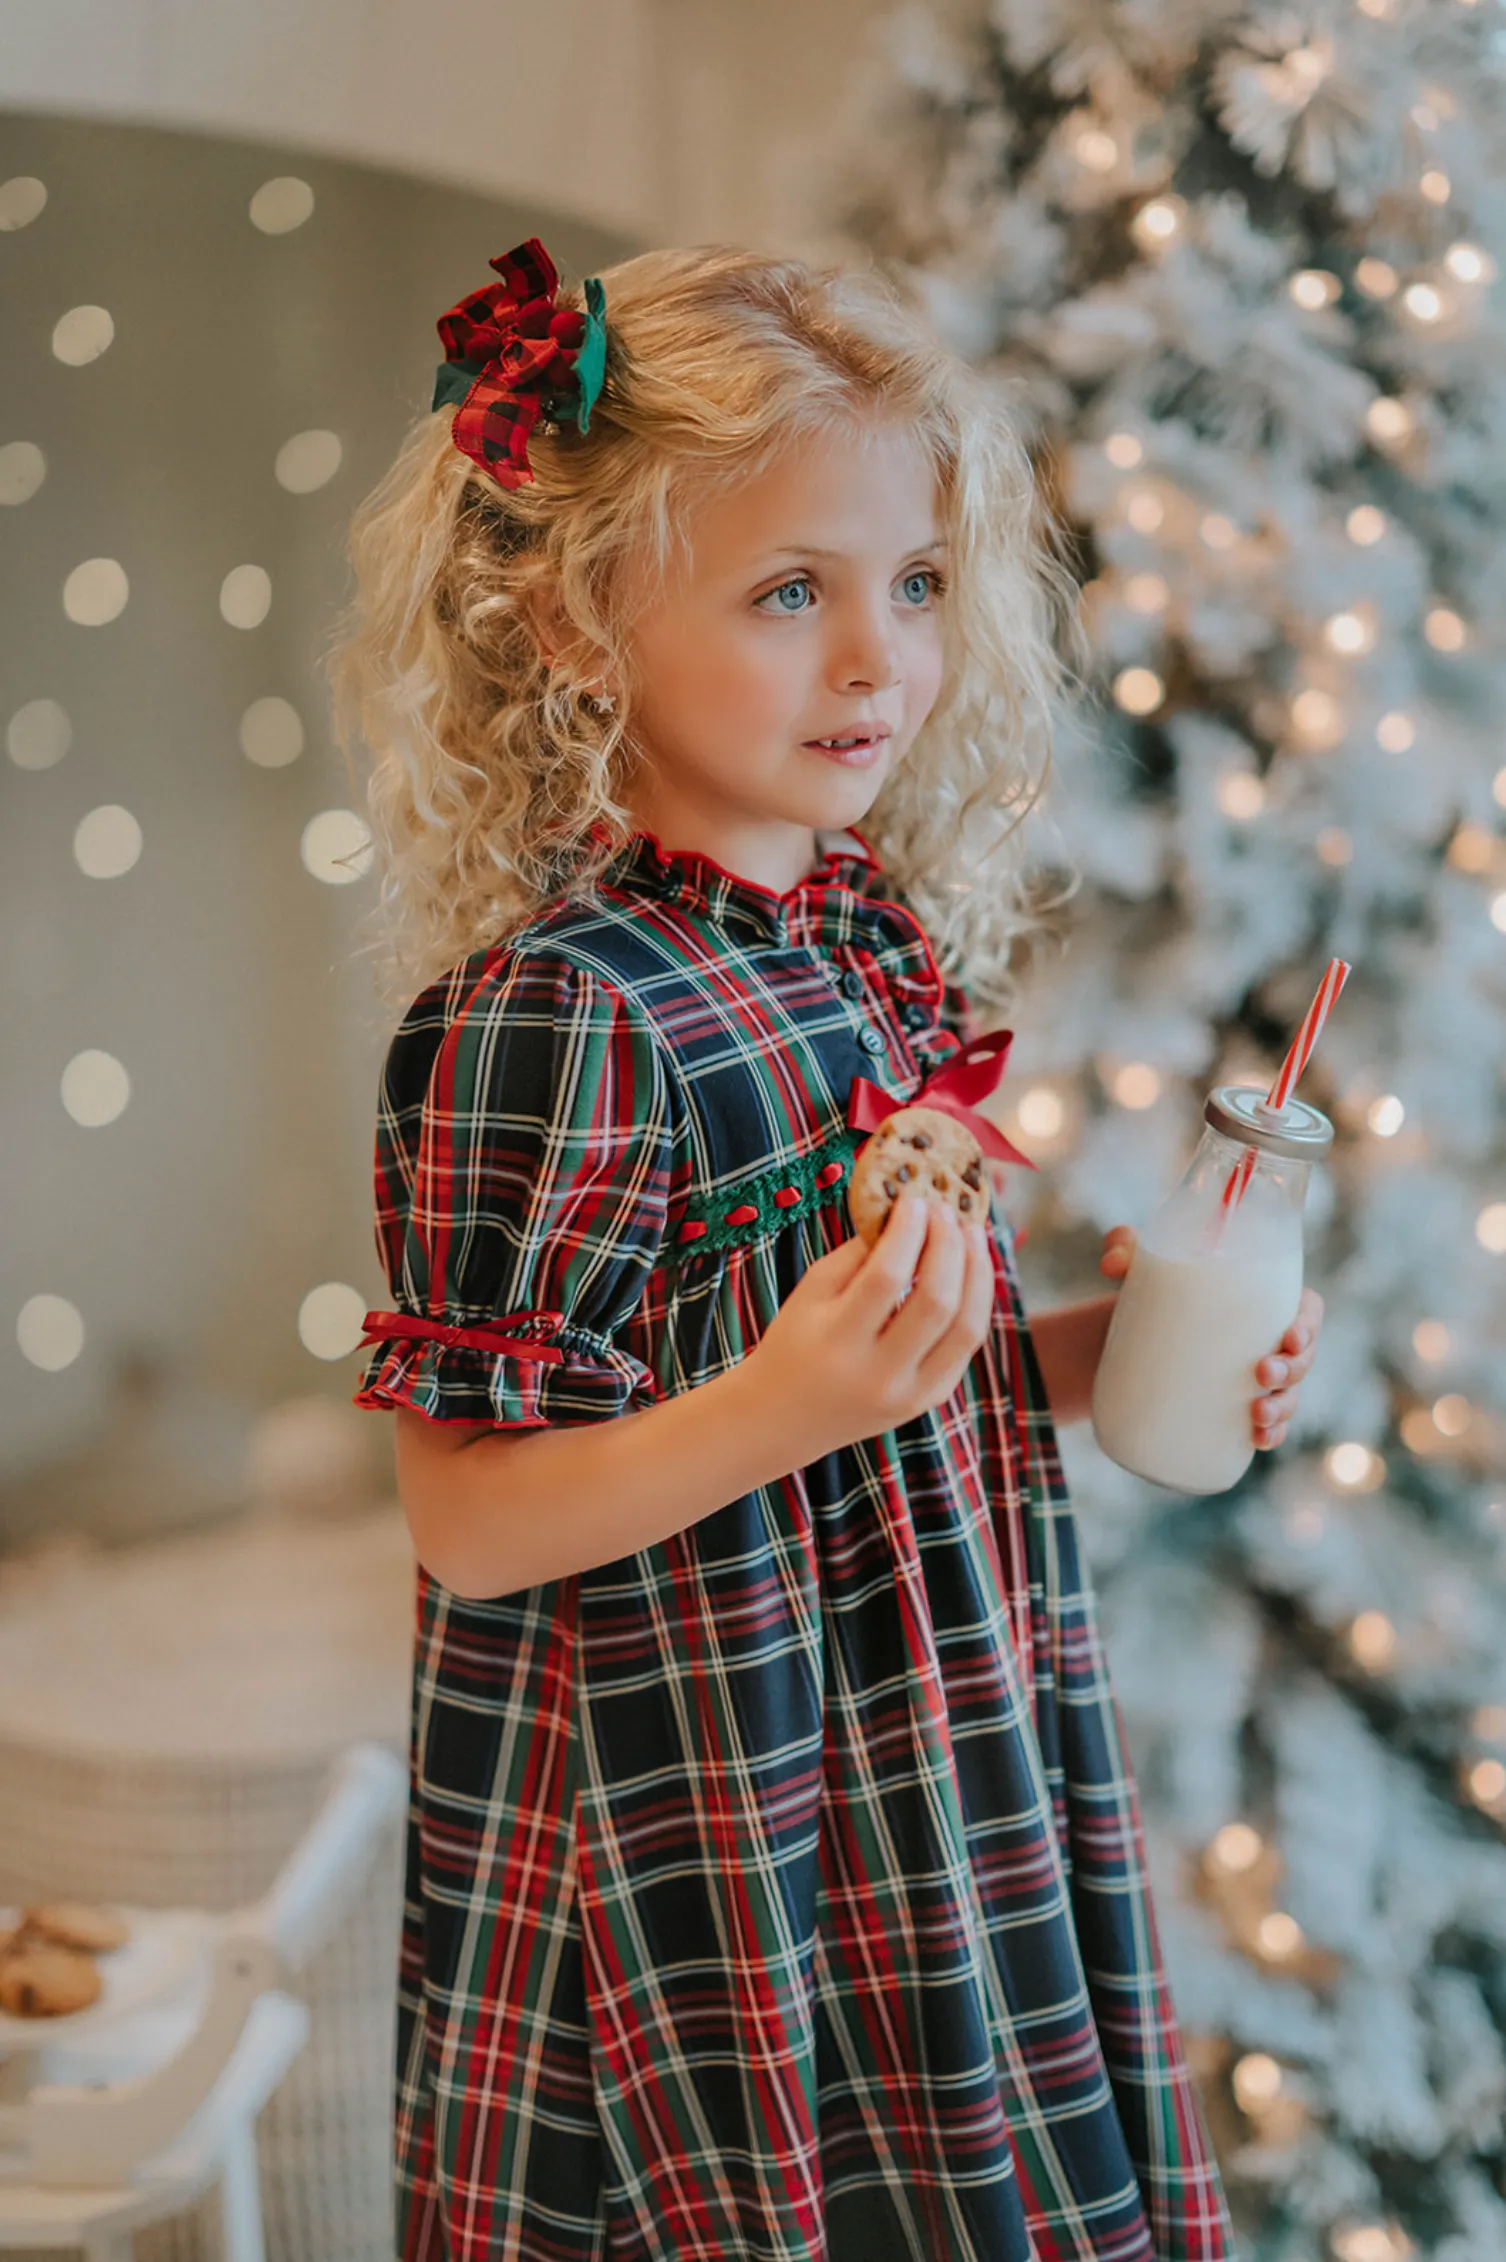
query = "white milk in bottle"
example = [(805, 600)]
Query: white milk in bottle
[(1210, 1291)]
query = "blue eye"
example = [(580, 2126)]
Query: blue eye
[(929, 580)]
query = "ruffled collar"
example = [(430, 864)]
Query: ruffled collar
[(845, 903), (847, 867)]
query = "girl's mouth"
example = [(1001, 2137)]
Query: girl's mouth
[(852, 750)]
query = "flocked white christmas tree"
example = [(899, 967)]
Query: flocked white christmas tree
[(1235, 267)]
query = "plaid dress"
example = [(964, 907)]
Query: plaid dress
[(776, 1891)]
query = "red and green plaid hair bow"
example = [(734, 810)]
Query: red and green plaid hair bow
[(512, 355)]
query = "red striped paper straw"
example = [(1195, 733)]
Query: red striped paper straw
[(1307, 1036), (1298, 1055)]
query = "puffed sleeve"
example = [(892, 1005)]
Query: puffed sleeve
[(524, 1159)]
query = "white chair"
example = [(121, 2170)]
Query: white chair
[(136, 2132)]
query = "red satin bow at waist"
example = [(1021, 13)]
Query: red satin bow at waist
[(967, 1077)]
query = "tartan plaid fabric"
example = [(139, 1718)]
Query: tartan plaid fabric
[(776, 1891), (512, 355)]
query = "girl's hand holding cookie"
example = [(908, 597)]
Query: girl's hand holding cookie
[(873, 1336), (1282, 1372)]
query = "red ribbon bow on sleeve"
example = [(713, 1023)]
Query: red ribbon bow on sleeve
[(967, 1077)]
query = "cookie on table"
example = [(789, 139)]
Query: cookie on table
[(41, 1981), (76, 1924), (917, 1150)]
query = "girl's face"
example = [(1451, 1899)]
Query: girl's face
[(809, 608)]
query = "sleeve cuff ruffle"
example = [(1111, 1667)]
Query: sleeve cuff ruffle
[(467, 1384)]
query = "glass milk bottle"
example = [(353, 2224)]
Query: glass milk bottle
[(1209, 1294)]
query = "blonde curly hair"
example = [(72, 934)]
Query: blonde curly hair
[(497, 785)]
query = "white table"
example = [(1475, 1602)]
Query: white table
[(168, 1715)]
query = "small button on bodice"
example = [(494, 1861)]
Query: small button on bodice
[(870, 1040), (852, 982), (916, 1017)]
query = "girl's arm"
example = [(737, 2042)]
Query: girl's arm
[(867, 1338), (492, 1509), (1068, 1344)]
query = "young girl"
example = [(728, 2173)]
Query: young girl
[(775, 1885)]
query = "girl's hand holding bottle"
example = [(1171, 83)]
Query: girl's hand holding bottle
[(869, 1338), (1291, 1360)]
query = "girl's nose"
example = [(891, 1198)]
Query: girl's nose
[(864, 659)]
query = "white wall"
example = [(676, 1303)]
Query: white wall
[(672, 120), (188, 1229)]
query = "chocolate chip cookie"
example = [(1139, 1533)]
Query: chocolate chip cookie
[(76, 1924), (43, 1981), (917, 1150)]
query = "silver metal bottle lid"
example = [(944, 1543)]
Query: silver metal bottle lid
[(1239, 1111)]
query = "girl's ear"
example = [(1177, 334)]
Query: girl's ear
[(546, 622), (551, 628)]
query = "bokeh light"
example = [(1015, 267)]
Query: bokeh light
[(95, 1088), (1279, 1935), (50, 1332), (1241, 794), (1040, 1112), (1353, 1467), (1372, 1639), (107, 842), (281, 205), (246, 596), (1490, 1228), (1136, 1085), (96, 592), (1234, 1849), (271, 733), (38, 734), (82, 335), (23, 467), (308, 461), (331, 1319), (1139, 691), (336, 847)]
